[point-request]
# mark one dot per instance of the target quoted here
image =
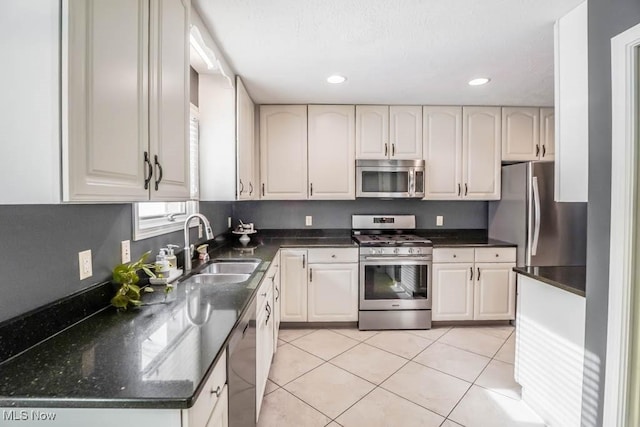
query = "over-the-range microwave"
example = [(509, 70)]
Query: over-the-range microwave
[(390, 179)]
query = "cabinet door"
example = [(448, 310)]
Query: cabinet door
[(293, 285), (220, 414), (442, 138), (283, 152), (547, 134), (264, 353), (452, 291), (405, 132), (277, 299), (520, 134), (245, 139), (333, 293), (372, 132), (332, 149), (481, 153), (572, 105), (105, 100), (495, 297), (169, 99)]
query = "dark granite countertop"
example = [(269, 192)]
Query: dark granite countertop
[(569, 278), (155, 356)]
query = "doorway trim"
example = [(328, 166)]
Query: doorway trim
[(625, 49)]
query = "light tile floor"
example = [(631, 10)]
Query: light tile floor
[(450, 377)]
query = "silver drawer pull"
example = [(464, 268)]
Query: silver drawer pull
[(216, 391), (333, 256), (497, 255)]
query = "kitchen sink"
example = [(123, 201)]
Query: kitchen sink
[(218, 278), (231, 267)]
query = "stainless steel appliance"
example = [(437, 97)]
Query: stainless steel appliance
[(242, 371), (395, 273), (390, 179), (547, 233)]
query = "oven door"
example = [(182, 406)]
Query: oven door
[(390, 182), (395, 283)]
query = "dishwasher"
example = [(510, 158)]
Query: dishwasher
[(242, 371)]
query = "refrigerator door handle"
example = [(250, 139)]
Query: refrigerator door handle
[(536, 214)]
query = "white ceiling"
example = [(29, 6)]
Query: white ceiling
[(391, 51)]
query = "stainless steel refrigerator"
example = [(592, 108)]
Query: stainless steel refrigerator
[(547, 233)]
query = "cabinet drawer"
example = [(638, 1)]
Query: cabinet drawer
[(331, 255), (453, 255), (201, 410), (495, 255)]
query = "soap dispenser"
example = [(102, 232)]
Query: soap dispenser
[(171, 257), (162, 264)]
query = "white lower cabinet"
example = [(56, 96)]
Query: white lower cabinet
[(211, 407), (468, 287), (319, 285), (220, 414), (274, 275), (264, 339)]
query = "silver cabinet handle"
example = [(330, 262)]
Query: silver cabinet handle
[(241, 187), (303, 261), (537, 150), (459, 189), (466, 188), (478, 273), (311, 189), (250, 188), (310, 275), (544, 150), (263, 188), (471, 271), (216, 391), (386, 149), (393, 150)]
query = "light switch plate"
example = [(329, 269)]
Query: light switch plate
[(308, 220), (229, 221), (125, 251), (439, 220), (84, 260)]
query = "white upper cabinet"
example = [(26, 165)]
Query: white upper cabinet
[(283, 152), (481, 148), (105, 94), (521, 134), (169, 99), (572, 107), (125, 100), (462, 153), (442, 136), (547, 134), (384, 132), (405, 132), (246, 142), (372, 132), (331, 139)]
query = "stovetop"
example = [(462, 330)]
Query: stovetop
[(391, 240)]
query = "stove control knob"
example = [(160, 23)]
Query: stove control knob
[(418, 250), (395, 251), (410, 250)]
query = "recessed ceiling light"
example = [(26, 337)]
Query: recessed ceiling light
[(336, 79), (479, 81)]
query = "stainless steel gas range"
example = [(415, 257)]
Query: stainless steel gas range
[(395, 273)]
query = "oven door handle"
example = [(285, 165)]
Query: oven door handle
[(396, 259)]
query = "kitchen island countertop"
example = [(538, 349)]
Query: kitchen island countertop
[(569, 278)]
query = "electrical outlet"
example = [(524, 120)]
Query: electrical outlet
[(439, 220), (125, 251), (308, 220), (84, 260), (229, 222), (200, 231)]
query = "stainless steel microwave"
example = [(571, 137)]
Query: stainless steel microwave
[(390, 179)]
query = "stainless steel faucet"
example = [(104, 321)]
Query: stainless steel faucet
[(187, 245)]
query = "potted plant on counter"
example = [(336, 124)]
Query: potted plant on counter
[(126, 275)]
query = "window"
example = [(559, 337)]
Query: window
[(156, 218)]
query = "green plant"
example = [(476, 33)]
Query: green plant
[(127, 276)]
